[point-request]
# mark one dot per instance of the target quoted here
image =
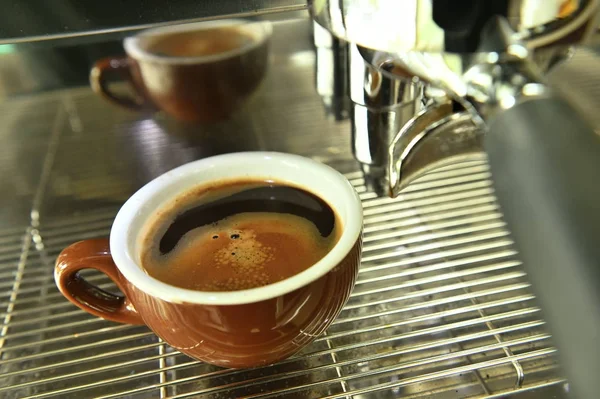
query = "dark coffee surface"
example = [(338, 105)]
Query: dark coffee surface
[(200, 43), (237, 236)]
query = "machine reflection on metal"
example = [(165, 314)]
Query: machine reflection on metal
[(377, 104), (331, 72), (432, 26), (434, 138), (381, 105), (492, 58)]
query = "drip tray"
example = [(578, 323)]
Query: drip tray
[(441, 309)]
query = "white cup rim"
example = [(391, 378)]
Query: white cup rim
[(127, 230), (135, 47)]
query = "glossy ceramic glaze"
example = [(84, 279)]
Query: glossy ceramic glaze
[(233, 329), (234, 336)]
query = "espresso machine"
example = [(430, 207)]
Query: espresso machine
[(432, 82), (448, 118)]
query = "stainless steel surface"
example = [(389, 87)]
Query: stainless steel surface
[(504, 66), (38, 21), (398, 26), (433, 138), (487, 60), (577, 80), (442, 307), (332, 72), (380, 106)]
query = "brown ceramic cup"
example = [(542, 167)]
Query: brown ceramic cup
[(232, 329), (197, 72)]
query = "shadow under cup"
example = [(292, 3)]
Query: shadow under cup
[(232, 329), (197, 72)]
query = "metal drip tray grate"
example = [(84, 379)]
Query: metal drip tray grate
[(441, 309)]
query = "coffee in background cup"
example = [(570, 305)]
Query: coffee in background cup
[(200, 43)]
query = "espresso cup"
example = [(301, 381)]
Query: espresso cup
[(197, 72), (235, 329)]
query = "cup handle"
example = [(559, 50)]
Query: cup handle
[(122, 67), (93, 254)]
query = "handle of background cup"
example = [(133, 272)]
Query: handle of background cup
[(122, 67), (93, 254)]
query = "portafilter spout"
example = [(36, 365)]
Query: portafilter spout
[(481, 84), (380, 105), (467, 48), (543, 157), (432, 139)]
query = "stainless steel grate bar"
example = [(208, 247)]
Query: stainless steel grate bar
[(420, 379), (442, 266), (437, 290), (405, 273), (404, 297), (120, 329), (438, 245), (440, 255), (530, 339), (453, 355), (411, 283), (437, 329), (442, 374)]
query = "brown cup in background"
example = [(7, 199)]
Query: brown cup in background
[(197, 72), (236, 329)]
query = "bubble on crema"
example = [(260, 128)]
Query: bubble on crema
[(245, 253)]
